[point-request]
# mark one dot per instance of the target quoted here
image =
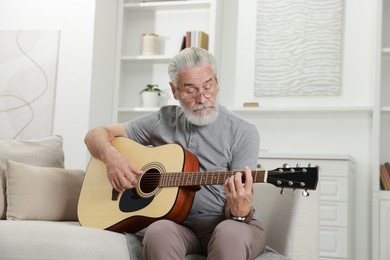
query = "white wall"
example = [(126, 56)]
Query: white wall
[(75, 20)]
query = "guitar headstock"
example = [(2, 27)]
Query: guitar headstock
[(305, 178)]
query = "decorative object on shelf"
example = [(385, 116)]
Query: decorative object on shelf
[(385, 176), (195, 39), (150, 44), (306, 57), (150, 95), (251, 104)]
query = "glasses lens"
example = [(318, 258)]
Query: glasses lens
[(188, 93)]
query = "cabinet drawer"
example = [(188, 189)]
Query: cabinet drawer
[(333, 242), (333, 189), (334, 214)]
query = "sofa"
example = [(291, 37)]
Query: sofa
[(38, 212)]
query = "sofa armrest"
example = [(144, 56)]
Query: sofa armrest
[(291, 222)]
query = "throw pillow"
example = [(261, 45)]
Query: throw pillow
[(42, 152), (42, 193)]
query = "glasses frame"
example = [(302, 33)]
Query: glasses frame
[(199, 92)]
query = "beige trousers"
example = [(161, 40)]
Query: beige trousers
[(218, 240)]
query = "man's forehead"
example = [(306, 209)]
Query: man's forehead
[(196, 74)]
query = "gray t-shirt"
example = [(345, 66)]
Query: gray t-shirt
[(227, 144)]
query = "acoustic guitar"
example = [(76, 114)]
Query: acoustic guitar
[(167, 188)]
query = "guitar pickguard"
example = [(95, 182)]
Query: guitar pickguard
[(130, 201)]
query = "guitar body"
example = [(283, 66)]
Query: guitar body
[(101, 207)]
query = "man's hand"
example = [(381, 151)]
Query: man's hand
[(121, 174), (239, 195)]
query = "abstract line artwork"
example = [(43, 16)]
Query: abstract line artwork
[(28, 67), (298, 48)]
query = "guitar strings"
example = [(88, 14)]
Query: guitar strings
[(164, 179)]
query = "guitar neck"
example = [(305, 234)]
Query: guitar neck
[(203, 178)]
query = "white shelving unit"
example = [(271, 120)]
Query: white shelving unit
[(168, 19), (381, 198)]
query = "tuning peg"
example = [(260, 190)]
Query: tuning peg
[(293, 192), (298, 165), (286, 165), (305, 193), (309, 165), (282, 191)]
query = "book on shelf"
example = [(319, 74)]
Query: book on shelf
[(387, 165), (385, 176), (195, 39)]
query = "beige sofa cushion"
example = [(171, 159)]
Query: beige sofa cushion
[(59, 240), (42, 152), (42, 193)]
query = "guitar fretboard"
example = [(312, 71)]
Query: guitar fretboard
[(176, 179)]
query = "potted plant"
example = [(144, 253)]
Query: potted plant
[(150, 95)]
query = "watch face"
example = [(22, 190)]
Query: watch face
[(241, 219)]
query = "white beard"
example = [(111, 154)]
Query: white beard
[(203, 118)]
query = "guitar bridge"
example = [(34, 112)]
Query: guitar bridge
[(114, 195)]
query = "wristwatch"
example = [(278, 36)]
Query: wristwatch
[(245, 219), (239, 219)]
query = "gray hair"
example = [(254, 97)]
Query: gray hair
[(190, 57)]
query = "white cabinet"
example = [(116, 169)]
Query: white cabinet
[(336, 187), (381, 123), (170, 20), (384, 216)]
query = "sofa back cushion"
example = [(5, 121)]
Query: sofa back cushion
[(42, 193), (41, 152)]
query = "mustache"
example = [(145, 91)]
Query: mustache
[(202, 106)]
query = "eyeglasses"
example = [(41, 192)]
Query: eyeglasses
[(193, 92)]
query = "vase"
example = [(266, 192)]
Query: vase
[(149, 99)]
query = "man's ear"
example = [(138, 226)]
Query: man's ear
[(174, 90)]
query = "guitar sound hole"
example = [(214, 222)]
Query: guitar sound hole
[(149, 181)]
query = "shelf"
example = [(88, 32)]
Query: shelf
[(261, 110), (385, 109), (386, 52), (146, 59), (384, 194), (167, 5), (137, 109), (342, 157), (302, 109)]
